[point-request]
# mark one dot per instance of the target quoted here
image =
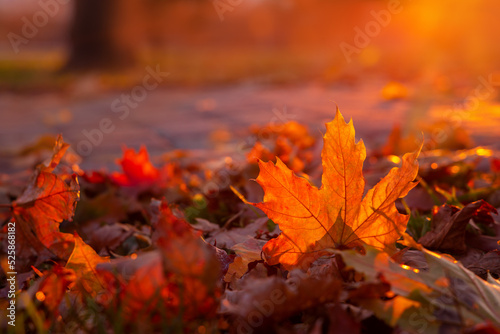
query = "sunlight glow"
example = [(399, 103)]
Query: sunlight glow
[(394, 159), (40, 296), (484, 152)]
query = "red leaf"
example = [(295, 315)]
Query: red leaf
[(184, 280), (137, 169)]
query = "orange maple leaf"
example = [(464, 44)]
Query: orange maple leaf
[(49, 199), (336, 215)]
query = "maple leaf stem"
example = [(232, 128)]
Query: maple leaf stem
[(244, 200)]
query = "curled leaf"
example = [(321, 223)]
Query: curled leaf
[(48, 200), (449, 224)]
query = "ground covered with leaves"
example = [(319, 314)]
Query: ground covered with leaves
[(327, 240)]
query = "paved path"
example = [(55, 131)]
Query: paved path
[(184, 118)]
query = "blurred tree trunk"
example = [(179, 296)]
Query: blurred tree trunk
[(93, 42)]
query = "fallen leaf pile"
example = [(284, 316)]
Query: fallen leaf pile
[(177, 245)]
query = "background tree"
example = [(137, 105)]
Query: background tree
[(104, 34)]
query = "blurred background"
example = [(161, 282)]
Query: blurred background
[(399, 67)]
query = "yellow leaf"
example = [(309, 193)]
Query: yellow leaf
[(83, 261)]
